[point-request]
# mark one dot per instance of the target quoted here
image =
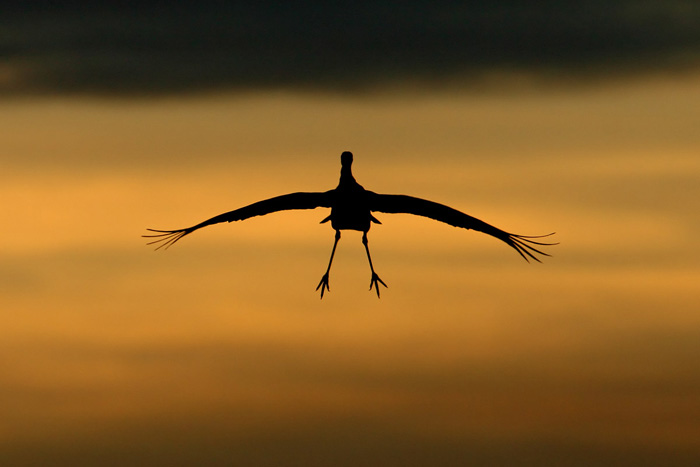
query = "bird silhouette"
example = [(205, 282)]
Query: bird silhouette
[(351, 209)]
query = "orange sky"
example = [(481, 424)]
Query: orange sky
[(219, 350)]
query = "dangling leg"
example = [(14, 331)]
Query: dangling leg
[(323, 285), (375, 278)]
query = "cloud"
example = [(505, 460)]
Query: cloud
[(161, 48)]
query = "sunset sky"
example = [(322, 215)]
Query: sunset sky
[(534, 117)]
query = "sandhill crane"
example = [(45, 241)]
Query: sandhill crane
[(351, 209)]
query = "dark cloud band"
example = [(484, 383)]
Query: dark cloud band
[(160, 48)]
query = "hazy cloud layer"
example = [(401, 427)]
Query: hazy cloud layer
[(162, 47)]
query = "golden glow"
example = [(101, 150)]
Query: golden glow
[(222, 339)]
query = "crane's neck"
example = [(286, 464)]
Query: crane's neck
[(346, 174), (346, 177)]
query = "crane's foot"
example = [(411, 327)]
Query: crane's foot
[(323, 285), (375, 283)]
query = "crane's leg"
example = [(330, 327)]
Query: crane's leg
[(375, 278), (323, 285)]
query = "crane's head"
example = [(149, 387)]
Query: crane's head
[(346, 159)]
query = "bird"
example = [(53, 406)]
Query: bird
[(351, 209)]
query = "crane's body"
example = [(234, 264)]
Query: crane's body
[(351, 209)]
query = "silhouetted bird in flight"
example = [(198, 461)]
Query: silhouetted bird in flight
[(351, 209)]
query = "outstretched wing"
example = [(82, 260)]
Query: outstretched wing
[(279, 203), (524, 245)]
